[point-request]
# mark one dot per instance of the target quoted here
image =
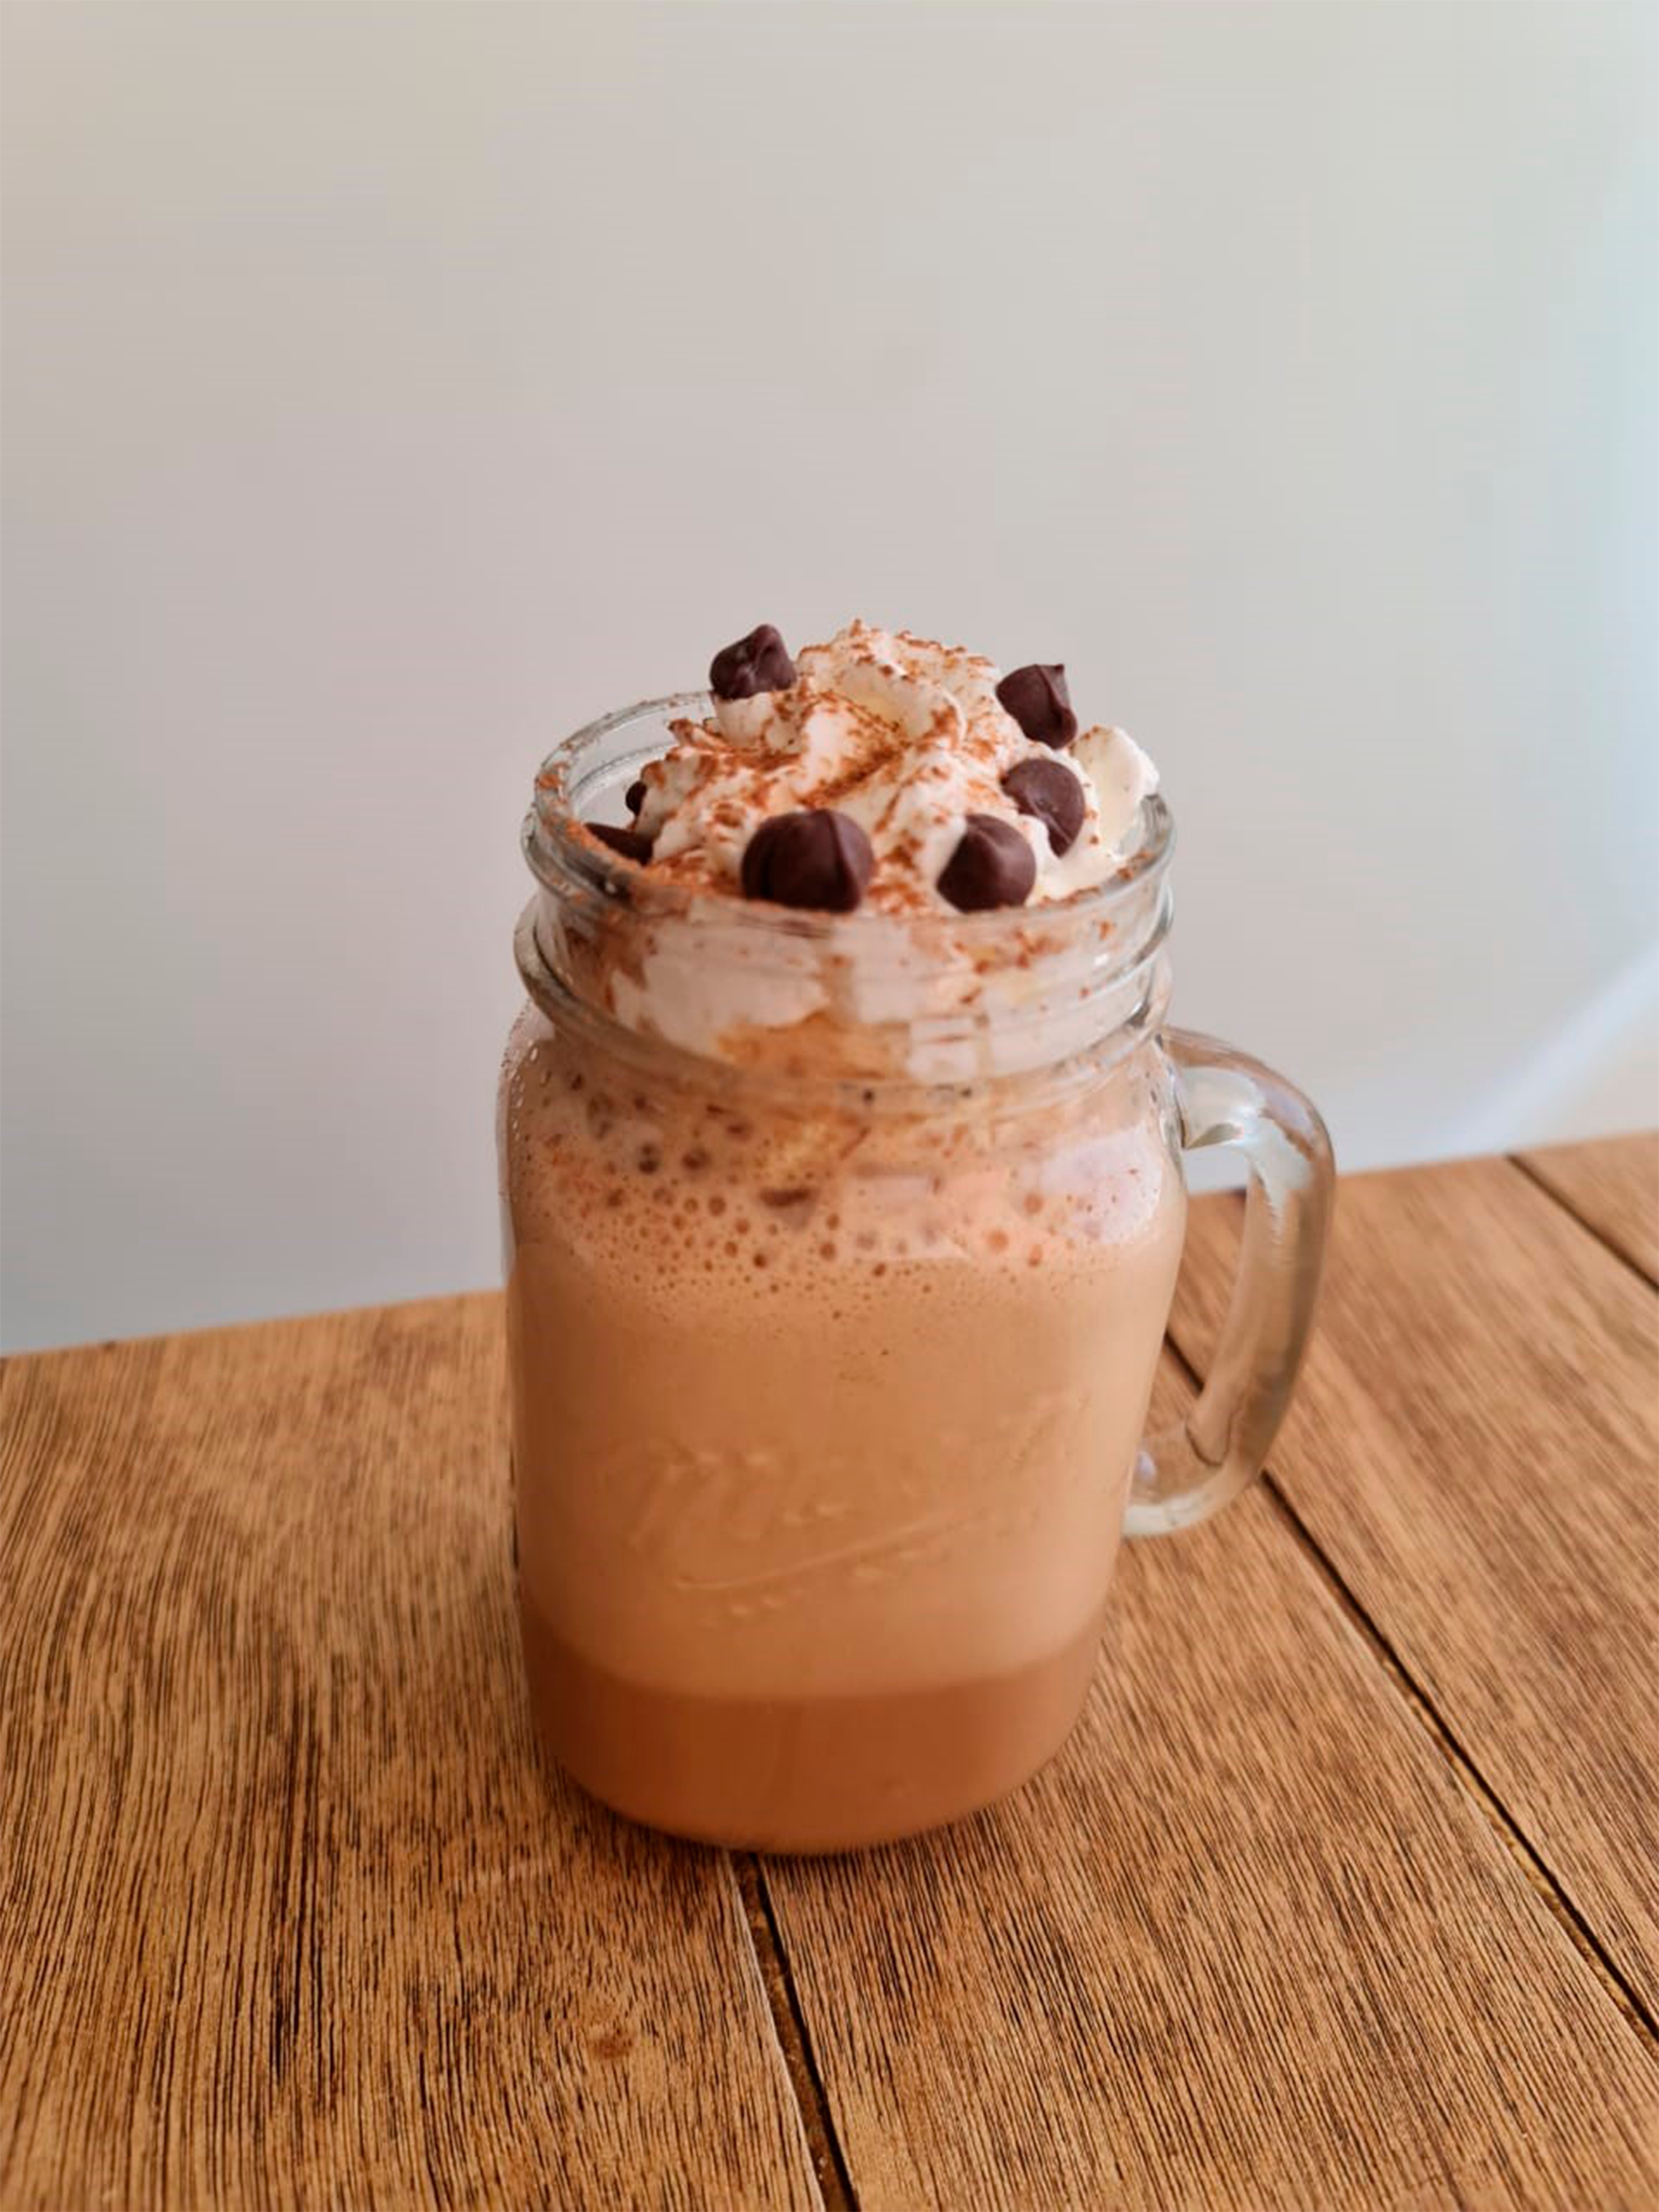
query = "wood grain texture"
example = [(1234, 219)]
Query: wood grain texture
[(291, 1911), (1249, 1943), (1474, 1447), (1613, 1189)]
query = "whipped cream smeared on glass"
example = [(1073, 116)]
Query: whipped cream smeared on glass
[(885, 771)]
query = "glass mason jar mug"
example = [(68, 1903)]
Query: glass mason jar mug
[(839, 1255)]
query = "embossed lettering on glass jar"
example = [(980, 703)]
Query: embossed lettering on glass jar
[(838, 1253)]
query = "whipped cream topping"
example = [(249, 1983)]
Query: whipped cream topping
[(907, 743), (907, 738)]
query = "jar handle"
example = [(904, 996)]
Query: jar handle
[(1188, 1472)]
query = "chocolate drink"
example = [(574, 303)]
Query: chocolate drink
[(820, 1471), (826, 1393)]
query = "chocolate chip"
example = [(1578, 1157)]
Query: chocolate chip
[(816, 859), (759, 662), (628, 843), (634, 798), (993, 865), (1048, 791), (1038, 699)]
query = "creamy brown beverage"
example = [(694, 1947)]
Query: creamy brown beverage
[(855, 1438), (843, 1213)]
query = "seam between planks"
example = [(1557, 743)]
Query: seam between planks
[(789, 2021), (1540, 1877), (1523, 1167)]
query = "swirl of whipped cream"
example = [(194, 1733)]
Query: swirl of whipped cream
[(909, 739)]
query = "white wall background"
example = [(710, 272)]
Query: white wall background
[(386, 389)]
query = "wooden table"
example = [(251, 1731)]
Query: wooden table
[(1345, 1892)]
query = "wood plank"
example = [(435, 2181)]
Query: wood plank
[(1249, 1943), (290, 1909), (1474, 1446), (1613, 1189)]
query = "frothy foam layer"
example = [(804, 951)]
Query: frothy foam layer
[(909, 739), (747, 1210)]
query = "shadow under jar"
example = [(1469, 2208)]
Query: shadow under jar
[(839, 1253)]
